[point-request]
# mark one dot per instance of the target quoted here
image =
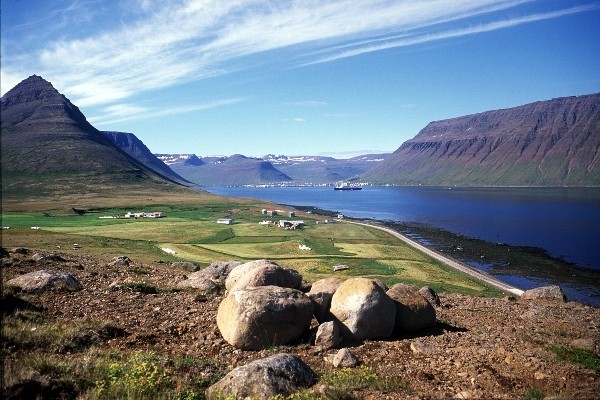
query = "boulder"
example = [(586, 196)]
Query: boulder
[(281, 374), (211, 279), (262, 273), (186, 265), (41, 281), (220, 270), (547, 293), (430, 295), (20, 250), (363, 309), (42, 257), (321, 293), (328, 336), (119, 261), (413, 311), (201, 284), (258, 317)]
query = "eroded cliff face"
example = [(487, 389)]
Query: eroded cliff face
[(555, 142)]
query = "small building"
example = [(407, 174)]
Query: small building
[(290, 224), (292, 214), (226, 221), (304, 247), (271, 213), (340, 216), (155, 214), (263, 211)]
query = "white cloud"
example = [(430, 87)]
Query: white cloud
[(125, 112), (170, 43), (308, 103)]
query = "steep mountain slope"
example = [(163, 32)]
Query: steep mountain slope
[(547, 143), (236, 170), (133, 146), (315, 169), (50, 149)]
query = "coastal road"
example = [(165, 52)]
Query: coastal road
[(475, 273)]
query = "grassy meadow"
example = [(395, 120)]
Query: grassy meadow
[(191, 231)]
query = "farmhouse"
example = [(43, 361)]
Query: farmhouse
[(291, 224), (225, 221)]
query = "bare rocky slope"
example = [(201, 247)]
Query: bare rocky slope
[(547, 143), (481, 348)]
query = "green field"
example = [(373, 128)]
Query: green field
[(194, 235)]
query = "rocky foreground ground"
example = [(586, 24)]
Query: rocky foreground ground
[(481, 347)]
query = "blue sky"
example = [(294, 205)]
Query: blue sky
[(309, 77)]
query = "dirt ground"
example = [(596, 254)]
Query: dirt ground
[(481, 347)]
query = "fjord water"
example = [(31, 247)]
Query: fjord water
[(563, 221)]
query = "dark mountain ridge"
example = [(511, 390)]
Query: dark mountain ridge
[(546, 143), (133, 146), (49, 148)]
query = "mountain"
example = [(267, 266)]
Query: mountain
[(236, 170), (133, 146), (315, 169), (49, 149), (547, 143)]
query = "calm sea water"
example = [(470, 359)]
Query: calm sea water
[(563, 221)]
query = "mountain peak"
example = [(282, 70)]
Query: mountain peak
[(31, 89)]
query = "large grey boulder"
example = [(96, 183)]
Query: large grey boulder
[(413, 311), (220, 270), (259, 317), (281, 374), (185, 265), (41, 281), (262, 273), (551, 293), (211, 279), (321, 293), (363, 309)]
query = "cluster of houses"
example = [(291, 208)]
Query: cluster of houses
[(154, 214), (285, 224)]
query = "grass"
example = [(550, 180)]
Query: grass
[(576, 355), (192, 232), (348, 383)]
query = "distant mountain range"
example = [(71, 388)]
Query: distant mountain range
[(240, 170), (49, 149), (547, 143)]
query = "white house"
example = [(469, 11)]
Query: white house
[(226, 221)]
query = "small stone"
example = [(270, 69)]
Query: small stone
[(344, 359), (540, 375), (418, 346)]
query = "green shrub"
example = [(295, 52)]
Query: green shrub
[(576, 355)]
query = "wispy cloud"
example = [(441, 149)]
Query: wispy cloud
[(308, 103), (125, 112), (150, 44), (363, 47)]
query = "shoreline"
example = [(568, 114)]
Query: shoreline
[(462, 267), (521, 267)]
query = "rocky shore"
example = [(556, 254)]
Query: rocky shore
[(479, 348)]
